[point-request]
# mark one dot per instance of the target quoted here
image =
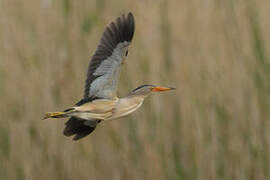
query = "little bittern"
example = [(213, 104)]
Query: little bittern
[(100, 102)]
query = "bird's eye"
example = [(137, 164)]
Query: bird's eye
[(126, 52)]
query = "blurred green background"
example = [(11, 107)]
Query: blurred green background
[(214, 126)]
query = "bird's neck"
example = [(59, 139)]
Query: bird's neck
[(138, 96), (135, 99)]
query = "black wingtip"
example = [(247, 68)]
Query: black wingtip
[(120, 30), (130, 16), (131, 25), (127, 27)]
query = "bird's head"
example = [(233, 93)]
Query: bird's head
[(145, 90)]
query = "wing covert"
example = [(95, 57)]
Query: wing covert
[(104, 68)]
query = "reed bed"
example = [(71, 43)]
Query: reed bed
[(215, 125)]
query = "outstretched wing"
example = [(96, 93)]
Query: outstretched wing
[(104, 68)]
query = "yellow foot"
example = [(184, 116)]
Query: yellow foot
[(54, 115)]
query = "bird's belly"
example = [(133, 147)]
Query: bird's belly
[(91, 116)]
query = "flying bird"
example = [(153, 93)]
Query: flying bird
[(100, 102)]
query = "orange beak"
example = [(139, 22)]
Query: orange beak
[(158, 89)]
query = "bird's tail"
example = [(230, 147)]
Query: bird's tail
[(61, 114)]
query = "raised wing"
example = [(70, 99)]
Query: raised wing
[(104, 68)]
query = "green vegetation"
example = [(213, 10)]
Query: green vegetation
[(214, 126)]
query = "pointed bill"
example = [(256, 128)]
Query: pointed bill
[(159, 88)]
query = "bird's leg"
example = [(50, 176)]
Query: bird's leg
[(62, 114)]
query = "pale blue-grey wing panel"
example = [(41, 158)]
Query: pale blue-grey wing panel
[(105, 85), (104, 68)]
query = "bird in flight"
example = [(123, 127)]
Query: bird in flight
[(100, 102)]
